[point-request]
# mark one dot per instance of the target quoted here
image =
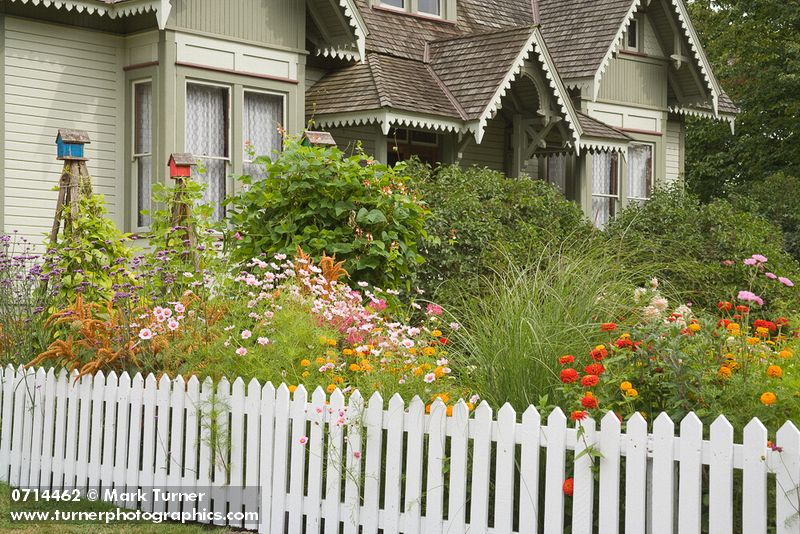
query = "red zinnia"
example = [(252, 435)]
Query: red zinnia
[(578, 415), (608, 327), (569, 487), (727, 306), (569, 375), (594, 369), (564, 360), (742, 308), (723, 322), (443, 340), (598, 353), (780, 322), (624, 343), (589, 401), (590, 381)]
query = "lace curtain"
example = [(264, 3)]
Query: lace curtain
[(604, 187), (142, 149), (557, 171), (263, 114), (640, 171), (207, 139)]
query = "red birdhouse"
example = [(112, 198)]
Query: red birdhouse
[(180, 165)]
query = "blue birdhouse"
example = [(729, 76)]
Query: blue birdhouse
[(70, 144)]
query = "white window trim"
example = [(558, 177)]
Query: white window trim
[(652, 172), (135, 156), (639, 41), (412, 7), (284, 116)]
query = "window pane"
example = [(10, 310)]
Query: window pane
[(393, 3), (144, 168), (557, 171), (433, 7), (640, 171), (263, 115), (633, 35), (143, 100), (604, 187), (207, 135)]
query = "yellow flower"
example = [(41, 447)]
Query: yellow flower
[(470, 406), (774, 371), (305, 374), (355, 367), (625, 386), (785, 353), (332, 342), (292, 388), (323, 340), (320, 361), (724, 372), (768, 398), (444, 396), (694, 327), (625, 336), (429, 351), (449, 411), (439, 372), (418, 371), (753, 341), (331, 388), (632, 393), (436, 333), (338, 380), (762, 330), (600, 347), (305, 363), (348, 352), (330, 353)]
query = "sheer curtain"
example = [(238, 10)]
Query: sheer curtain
[(557, 171), (207, 139), (263, 114), (640, 172), (142, 149), (604, 187)]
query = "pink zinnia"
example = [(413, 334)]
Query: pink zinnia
[(434, 309), (749, 296), (785, 281), (241, 351), (759, 258), (771, 276), (430, 377), (750, 261), (145, 333)]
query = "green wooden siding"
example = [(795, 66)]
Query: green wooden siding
[(273, 22), (674, 151), (635, 81), (58, 77), (492, 150)]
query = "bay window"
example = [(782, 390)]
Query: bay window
[(143, 149), (605, 187), (262, 118), (207, 139)]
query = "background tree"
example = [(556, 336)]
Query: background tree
[(754, 46)]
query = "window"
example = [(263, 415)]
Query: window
[(557, 171), (394, 3), (404, 144), (640, 172), (430, 7), (605, 187), (632, 39), (143, 148), (207, 133), (263, 115)]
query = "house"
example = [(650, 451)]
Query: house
[(588, 94)]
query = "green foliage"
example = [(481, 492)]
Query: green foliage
[(479, 216), (320, 200), (534, 311), (699, 247), (754, 48), (90, 259)]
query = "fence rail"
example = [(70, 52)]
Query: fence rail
[(323, 464)]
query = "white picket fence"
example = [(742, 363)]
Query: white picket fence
[(305, 467)]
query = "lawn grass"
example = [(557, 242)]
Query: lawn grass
[(7, 525)]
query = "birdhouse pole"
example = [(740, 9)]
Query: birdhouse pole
[(180, 170), (74, 179)]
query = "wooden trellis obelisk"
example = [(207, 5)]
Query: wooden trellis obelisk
[(180, 169), (74, 181)]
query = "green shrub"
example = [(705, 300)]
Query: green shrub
[(479, 216), (700, 246), (320, 200)]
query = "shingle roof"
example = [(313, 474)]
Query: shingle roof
[(594, 128)]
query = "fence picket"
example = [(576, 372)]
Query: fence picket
[(191, 403), (31, 400), (94, 430), (6, 421), (265, 476), (333, 463), (556, 443), (149, 440), (48, 437), (135, 434), (530, 437), (61, 415), (504, 471), (110, 392), (123, 444), (434, 498), (205, 440), (754, 478), (20, 404), (583, 492), (636, 474), (297, 412), (413, 495), (720, 500), (83, 430), (786, 466), (663, 475), (315, 451), (220, 450), (37, 413), (71, 431), (352, 490), (280, 458), (237, 437), (176, 439), (373, 464), (394, 455), (163, 395), (609, 445), (252, 456)]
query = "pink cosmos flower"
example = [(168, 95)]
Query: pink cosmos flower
[(246, 334), (173, 324), (241, 351), (263, 341), (180, 308), (785, 281), (771, 276), (145, 334), (378, 305), (303, 440), (237, 236), (357, 455), (751, 262), (759, 258), (430, 377), (434, 309)]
